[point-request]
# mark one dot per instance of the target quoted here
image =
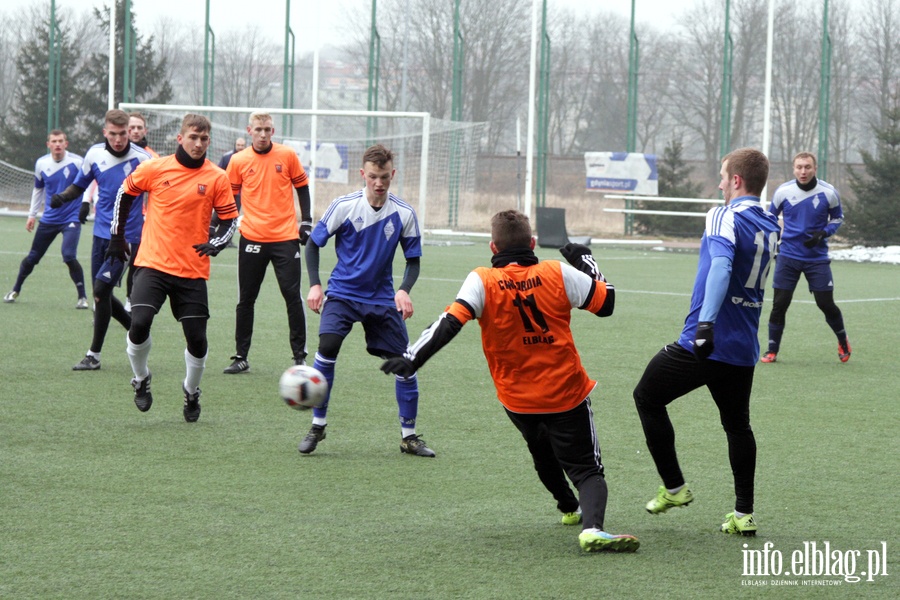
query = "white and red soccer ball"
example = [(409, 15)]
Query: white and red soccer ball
[(303, 387)]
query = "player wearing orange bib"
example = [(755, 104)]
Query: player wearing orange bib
[(524, 307), (173, 259), (266, 176)]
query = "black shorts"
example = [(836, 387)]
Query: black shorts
[(187, 297)]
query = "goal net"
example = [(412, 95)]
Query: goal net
[(435, 159), (15, 187)]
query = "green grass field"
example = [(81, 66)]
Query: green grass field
[(98, 500)]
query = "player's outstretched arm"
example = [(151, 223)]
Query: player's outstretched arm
[(67, 195), (436, 336), (580, 257)]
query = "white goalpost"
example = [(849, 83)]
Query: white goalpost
[(331, 143)]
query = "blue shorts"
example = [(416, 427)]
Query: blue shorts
[(46, 233), (384, 327), (788, 270), (111, 271)]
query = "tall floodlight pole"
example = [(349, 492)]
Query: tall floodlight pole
[(111, 84), (532, 78), (824, 96), (767, 102), (288, 84), (631, 134), (127, 92), (543, 112), (209, 62), (456, 112), (53, 57), (725, 130), (374, 63)]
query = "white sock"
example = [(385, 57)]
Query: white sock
[(739, 515), (193, 371), (137, 356), (405, 432), (92, 353), (320, 421), (676, 490)]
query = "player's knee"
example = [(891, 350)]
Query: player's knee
[(30, 261), (330, 345)]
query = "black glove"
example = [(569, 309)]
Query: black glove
[(84, 212), (580, 257), (703, 341), (399, 365), (56, 201), (305, 229), (816, 239), (207, 249), (118, 248)]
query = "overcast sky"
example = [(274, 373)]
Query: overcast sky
[(227, 15)]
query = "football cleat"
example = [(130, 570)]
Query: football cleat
[(413, 444), (300, 360), (308, 444), (11, 297), (82, 304), (143, 399), (88, 363), (191, 405), (844, 350), (768, 357), (572, 518), (240, 365), (745, 525), (664, 500), (595, 540)]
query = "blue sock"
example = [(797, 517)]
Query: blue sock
[(407, 390), (325, 366)]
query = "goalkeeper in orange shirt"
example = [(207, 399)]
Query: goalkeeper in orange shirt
[(523, 307)]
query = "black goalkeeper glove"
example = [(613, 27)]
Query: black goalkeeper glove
[(207, 249), (305, 229), (84, 212), (703, 341), (580, 257), (118, 248), (399, 365), (56, 201), (816, 239)]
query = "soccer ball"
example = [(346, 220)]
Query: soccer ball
[(303, 387)]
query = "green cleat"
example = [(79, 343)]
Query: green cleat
[(595, 540), (745, 525), (572, 518), (664, 500)]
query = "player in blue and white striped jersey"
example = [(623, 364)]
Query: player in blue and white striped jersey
[(54, 172), (108, 164), (718, 346), (811, 211), (368, 226)]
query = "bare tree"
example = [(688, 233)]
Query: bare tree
[(881, 55)]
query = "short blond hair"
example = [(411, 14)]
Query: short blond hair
[(805, 154)]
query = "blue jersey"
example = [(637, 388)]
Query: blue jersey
[(52, 177), (365, 242), (109, 172), (803, 213), (747, 236)]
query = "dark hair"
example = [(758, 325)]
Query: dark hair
[(56, 132), (752, 165), (115, 116), (378, 155), (510, 229), (198, 122)]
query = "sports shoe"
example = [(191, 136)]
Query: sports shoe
[(413, 444), (240, 365), (301, 360), (768, 357), (595, 540), (844, 350), (316, 434), (11, 297), (572, 518), (143, 399), (82, 304), (191, 405), (88, 363), (664, 500), (744, 526)]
